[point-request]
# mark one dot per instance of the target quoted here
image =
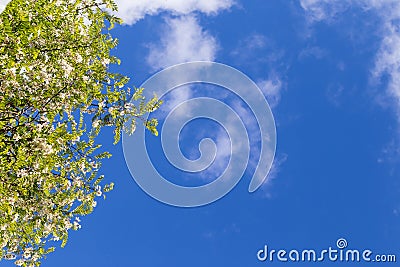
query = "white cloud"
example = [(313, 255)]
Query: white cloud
[(318, 10), (314, 51), (176, 97), (182, 40), (226, 148), (223, 144), (276, 167), (132, 11), (387, 60), (259, 52), (257, 49), (272, 89), (273, 174), (252, 42)]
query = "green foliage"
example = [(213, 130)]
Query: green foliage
[(54, 76)]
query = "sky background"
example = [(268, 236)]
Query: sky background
[(330, 70)]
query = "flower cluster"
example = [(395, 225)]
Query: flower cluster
[(56, 94)]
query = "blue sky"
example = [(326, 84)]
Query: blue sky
[(330, 70)]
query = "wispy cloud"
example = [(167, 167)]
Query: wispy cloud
[(252, 42), (272, 175), (224, 151), (387, 63), (272, 89), (132, 11), (314, 51), (182, 39), (318, 10), (257, 49), (334, 93), (226, 147), (259, 53), (387, 59)]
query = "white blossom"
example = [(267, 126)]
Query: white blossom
[(19, 262), (105, 61), (96, 123), (78, 58)]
